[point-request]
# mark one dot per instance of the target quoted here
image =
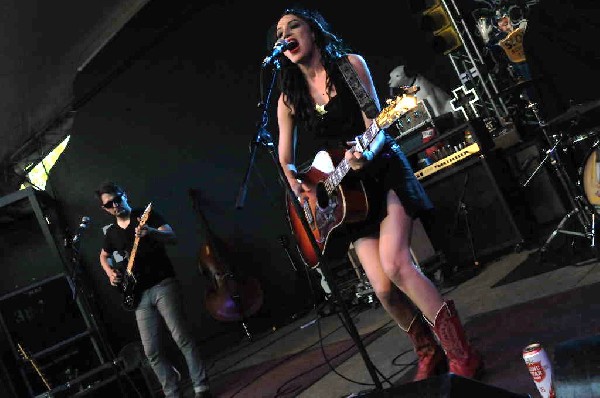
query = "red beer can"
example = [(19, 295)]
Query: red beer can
[(539, 367)]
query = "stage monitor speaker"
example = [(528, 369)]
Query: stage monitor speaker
[(577, 368), (472, 211), (444, 386)]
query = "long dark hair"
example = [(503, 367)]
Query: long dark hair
[(291, 82)]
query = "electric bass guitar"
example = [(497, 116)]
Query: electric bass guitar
[(331, 200), (128, 281)]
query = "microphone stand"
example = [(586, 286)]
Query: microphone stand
[(263, 137), (463, 209), (73, 244)]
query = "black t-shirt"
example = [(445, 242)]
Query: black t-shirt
[(151, 264)]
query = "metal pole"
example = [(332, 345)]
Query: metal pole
[(470, 55)]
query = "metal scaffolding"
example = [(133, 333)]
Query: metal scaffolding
[(469, 65)]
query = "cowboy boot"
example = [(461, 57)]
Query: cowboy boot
[(463, 359), (431, 360)]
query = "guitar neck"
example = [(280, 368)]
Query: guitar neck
[(136, 241), (35, 367), (333, 180), (132, 255)]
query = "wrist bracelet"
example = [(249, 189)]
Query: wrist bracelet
[(368, 155), (292, 167)]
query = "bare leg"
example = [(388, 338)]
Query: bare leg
[(393, 301), (396, 261), (431, 359)]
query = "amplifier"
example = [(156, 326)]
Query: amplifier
[(475, 210), (418, 117)]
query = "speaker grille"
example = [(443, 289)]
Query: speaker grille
[(470, 205)]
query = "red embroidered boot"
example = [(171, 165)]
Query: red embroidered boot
[(463, 359), (431, 360)]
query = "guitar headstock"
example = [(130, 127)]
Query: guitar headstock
[(145, 214), (395, 109)]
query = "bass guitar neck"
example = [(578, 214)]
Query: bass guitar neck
[(28, 357), (129, 283)]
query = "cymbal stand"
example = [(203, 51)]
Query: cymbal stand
[(580, 207), (463, 210)]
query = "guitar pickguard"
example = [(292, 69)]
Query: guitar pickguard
[(325, 213)]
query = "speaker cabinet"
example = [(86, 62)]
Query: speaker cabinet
[(473, 217), (421, 247), (46, 326), (444, 386)]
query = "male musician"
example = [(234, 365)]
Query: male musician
[(157, 289)]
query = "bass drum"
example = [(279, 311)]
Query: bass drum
[(589, 175)]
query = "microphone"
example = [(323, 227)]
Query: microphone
[(82, 227), (279, 48)]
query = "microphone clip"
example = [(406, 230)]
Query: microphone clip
[(82, 227), (279, 48)]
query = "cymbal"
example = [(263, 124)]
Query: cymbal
[(574, 112), (518, 86)]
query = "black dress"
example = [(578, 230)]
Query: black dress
[(389, 169)]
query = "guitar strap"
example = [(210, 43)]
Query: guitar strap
[(358, 89)]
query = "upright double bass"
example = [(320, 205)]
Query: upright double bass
[(228, 297)]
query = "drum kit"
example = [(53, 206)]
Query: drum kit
[(574, 154)]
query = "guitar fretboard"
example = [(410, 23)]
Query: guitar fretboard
[(136, 241), (132, 254), (26, 357), (333, 180)]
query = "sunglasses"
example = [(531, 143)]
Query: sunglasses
[(111, 203)]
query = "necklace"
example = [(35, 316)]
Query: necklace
[(320, 109)]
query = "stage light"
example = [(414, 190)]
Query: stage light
[(435, 19)]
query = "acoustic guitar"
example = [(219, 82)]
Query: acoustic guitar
[(332, 200), (128, 283)]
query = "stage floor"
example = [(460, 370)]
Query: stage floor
[(499, 320)]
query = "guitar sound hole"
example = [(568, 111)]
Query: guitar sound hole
[(322, 197)]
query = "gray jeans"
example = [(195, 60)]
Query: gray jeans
[(164, 299)]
